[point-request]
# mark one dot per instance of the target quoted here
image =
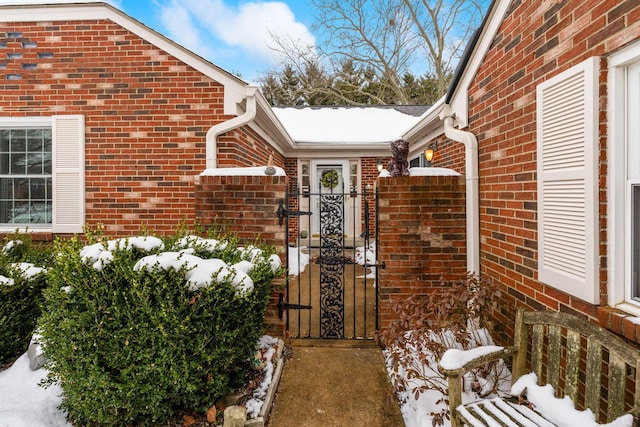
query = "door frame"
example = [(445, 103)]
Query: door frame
[(352, 203)]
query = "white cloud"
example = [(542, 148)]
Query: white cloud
[(179, 24), (242, 30), (251, 25)]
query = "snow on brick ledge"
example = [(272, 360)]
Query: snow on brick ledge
[(250, 171), (423, 172)]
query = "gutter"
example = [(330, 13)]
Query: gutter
[(472, 189), (226, 126)]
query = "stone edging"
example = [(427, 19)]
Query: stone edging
[(260, 420)]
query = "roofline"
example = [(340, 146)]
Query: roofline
[(101, 10), (464, 60), (479, 44), (234, 86)]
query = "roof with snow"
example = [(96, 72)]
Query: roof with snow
[(348, 125)]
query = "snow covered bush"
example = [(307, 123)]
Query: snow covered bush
[(458, 315), (136, 328), (22, 280)]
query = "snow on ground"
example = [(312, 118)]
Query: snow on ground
[(298, 260), (417, 412), (267, 347), (23, 403), (367, 255)]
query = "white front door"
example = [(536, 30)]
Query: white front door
[(329, 177)]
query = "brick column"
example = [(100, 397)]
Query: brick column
[(422, 237), (247, 206)]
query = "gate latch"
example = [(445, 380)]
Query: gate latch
[(282, 212), (282, 306)]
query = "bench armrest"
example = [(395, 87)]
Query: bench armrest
[(455, 363)]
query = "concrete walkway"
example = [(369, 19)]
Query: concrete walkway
[(334, 384)]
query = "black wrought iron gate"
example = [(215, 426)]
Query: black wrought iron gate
[(333, 294)]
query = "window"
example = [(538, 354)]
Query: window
[(25, 176), (623, 153), (419, 161), (567, 138), (42, 173)]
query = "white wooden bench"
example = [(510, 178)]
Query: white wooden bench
[(595, 368)]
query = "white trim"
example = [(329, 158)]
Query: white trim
[(23, 123), (617, 262)]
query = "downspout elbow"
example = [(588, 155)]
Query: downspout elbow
[(229, 125), (470, 143)]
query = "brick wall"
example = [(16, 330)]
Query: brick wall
[(146, 116), (422, 237), (536, 40), (246, 206)]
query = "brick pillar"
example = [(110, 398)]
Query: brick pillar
[(422, 237), (247, 206)]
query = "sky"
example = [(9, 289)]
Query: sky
[(233, 34)]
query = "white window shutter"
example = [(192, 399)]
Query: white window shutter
[(567, 133), (68, 174)]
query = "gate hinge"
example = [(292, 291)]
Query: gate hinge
[(382, 265), (282, 212), (282, 306)]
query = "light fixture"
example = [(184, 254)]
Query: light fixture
[(430, 152), (379, 165)]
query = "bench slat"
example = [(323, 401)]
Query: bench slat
[(536, 350), (553, 354), (496, 412), (573, 362), (593, 371), (617, 370), (507, 408), (532, 415)]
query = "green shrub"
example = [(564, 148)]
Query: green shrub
[(20, 294), (131, 345)]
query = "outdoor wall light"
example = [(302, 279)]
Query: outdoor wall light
[(430, 152), (379, 165)]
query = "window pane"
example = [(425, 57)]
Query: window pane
[(635, 240), (4, 140), (18, 163), (20, 213), (21, 189), (38, 189), (18, 140), (4, 163)]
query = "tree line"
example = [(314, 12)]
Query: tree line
[(368, 51)]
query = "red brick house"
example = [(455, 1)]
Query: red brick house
[(103, 120), (543, 118)]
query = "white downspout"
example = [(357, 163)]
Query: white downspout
[(216, 130), (473, 199)]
